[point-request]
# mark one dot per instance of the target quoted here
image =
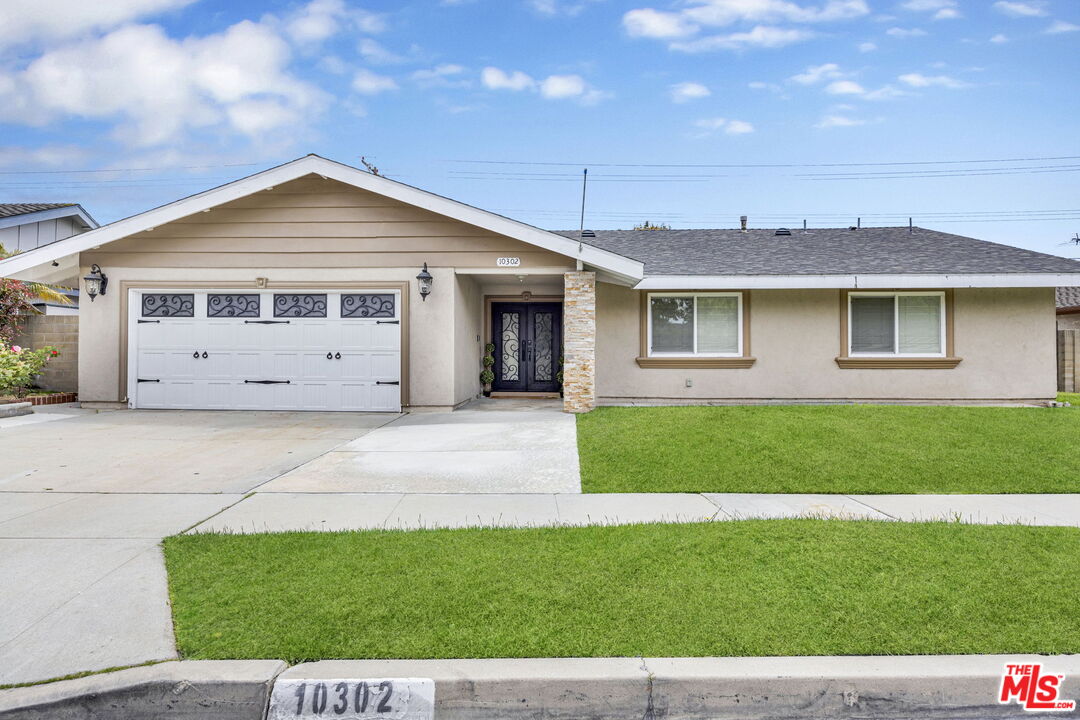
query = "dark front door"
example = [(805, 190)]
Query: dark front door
[(528, 342)]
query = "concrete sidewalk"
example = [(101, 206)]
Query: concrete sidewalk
[(278, 512)]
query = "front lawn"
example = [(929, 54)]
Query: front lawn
[(734, 588), (830, 449)]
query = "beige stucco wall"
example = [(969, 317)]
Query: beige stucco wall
[(1005, 337), (312, 232)]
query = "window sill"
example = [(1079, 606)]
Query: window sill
[(702, 363), (897, 363)]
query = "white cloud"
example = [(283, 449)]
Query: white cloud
[(1060, 26), (559, 7), (367, 82), (941, 9), (719, 13), (999, 39), (687, 91), (43, 155), (729, 127), (738, 127), (761, 36), (835, 121), (374, 52), (899, 32), (322, 19), (865, 47), (919, 80), (1016, 8), (158, 88), (650, 23), (699, 14), (845, 87), (887, 92), (441, 76), (557, 87), (495, 79), (50, 20), (818, 73)]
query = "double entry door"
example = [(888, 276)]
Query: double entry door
[(528, 343)]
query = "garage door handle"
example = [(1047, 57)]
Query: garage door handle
[(148, 321), (387, 382), (329, 356), (337, 356), (266, 322), (195, 354), (387, 322), (204, 355), (145, 380), (267, 382)]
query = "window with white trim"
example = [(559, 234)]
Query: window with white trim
[(695, 324), (896, 324)]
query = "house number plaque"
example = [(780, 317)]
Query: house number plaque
[(353, 699), (508, 262)]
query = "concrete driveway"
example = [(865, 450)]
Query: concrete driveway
[(86, 497)]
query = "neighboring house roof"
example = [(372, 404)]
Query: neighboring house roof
[(23, 213), (829, 253), (598, 258), (12, 209), (1068, 299)]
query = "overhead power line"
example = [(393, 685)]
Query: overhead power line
[(763, 165)]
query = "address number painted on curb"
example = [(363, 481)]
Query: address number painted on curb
[(354, 699)]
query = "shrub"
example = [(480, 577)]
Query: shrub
[(19, 367)]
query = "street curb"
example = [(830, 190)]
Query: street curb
[(8, 410), (187, 690), (954, 687), (921, 687)]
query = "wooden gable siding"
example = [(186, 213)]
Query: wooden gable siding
[(312, 222)]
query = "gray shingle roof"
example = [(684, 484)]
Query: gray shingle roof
[(1068, 297), (821, 251), (12, 209)]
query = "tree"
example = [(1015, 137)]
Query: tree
[(649, 226), (17, 302)]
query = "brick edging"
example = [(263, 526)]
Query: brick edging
[(54, 399)]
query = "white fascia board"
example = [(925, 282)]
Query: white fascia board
[(315, 165), (51, 214), (781, 282)]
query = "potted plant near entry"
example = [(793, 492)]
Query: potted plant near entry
[(559, 376), (488, 375)]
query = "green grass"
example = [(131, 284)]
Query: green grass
[(1073, 398), (754, 587), (830, 449)]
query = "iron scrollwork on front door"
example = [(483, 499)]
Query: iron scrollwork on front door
[(511, 342)]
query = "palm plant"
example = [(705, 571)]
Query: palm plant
[(48, 293)]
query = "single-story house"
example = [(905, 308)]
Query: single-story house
[(318, 286)]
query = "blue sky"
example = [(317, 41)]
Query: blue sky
[(690, 112)]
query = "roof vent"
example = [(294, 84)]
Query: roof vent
[(782, 231), (588, 233)]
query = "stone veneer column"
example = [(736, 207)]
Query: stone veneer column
[(579, 341)]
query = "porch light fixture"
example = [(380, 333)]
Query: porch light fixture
[(96, 282), (424, 278)]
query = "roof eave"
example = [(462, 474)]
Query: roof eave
[(316, 165), (889, 281), (50, 214)]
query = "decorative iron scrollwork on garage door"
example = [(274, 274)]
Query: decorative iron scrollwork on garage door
[(232, 306), (300, 305), (368, 305), (168, 305)]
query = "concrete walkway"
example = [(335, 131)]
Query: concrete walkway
[(280, 512)]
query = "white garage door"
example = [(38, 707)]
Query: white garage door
[(307, 350)]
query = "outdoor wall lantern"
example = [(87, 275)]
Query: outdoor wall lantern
[(96, 282), (424, 278)]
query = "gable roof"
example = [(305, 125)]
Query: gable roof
[(613, 263), (832, 254), (12, 214)]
